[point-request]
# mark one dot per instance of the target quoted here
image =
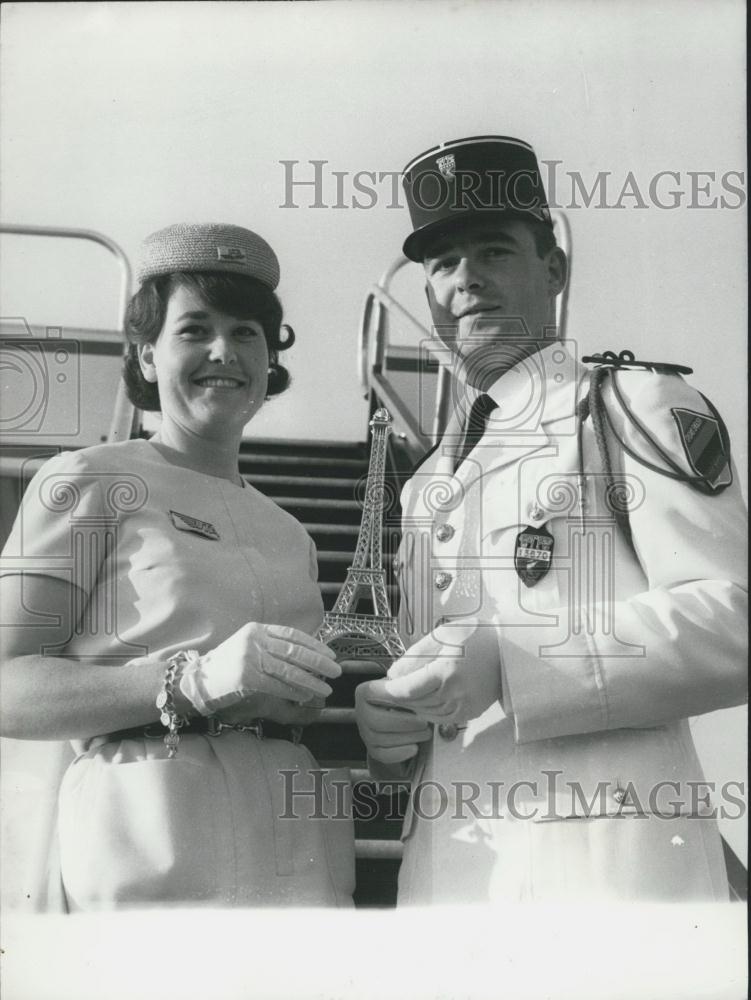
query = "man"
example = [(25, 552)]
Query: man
[(572, 582)]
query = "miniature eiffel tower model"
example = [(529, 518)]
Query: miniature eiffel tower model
[(366, 636)]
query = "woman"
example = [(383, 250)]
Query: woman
[(173, 612)]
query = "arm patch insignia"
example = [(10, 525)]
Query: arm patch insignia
[(704, 446)]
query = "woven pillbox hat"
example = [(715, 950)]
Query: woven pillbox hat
[(485, 177), (208, 247)]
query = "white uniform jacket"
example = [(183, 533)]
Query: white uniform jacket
[(583, 782)]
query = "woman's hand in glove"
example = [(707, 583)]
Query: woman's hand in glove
[(259, 659)]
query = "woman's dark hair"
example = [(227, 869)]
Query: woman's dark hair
[(236, 295)]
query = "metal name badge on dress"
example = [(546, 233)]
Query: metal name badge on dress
[(533, 554), (184, 522)]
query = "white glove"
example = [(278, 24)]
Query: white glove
[(261, 659), (451, 675), (390, 733)]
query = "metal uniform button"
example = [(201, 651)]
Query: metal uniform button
[(619, 794), (442, 580), (536, 512), (444, 532), (448, 731)]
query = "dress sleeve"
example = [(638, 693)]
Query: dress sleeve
[(689, 621), (61, 525)]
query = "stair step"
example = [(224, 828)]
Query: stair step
[(334, 586), (305, 449), (338, 511), (251, 460), (265, 478), (331, 592), (343, 688), (342, 538), (330, 740), (336, 716), (352, 765), (369, 827), (359, 772), (335, 556), (376, 882), (359, 668), (318, 503), (318, 486), (320, 528), (331, 572), (341, 557), (333, 537), (387, 850)]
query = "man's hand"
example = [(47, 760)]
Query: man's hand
[(390, 733), (451, 675)]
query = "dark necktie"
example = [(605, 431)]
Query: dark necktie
[(482, 407)]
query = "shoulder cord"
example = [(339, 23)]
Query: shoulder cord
[(592, 405), (699, 482)]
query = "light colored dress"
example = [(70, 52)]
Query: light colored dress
[(163, 559)]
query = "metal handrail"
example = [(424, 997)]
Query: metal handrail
[(563, 235), (372, 350), (124, 411)]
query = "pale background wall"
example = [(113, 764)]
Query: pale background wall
[(124, 118)]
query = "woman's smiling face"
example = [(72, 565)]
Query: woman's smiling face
[(211, 368)]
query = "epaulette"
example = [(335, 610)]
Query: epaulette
[(670, 432)]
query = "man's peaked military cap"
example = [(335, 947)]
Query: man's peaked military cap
[(488, 176)]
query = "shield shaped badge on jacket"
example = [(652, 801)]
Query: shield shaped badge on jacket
[(533, 554), (705, 448)]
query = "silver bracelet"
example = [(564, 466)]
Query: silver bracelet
[(164, 702)]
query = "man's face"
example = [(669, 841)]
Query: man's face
[(492, 296)]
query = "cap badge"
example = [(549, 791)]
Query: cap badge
[(230, 253), (447, 164)]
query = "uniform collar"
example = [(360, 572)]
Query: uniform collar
[(540, 389)]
